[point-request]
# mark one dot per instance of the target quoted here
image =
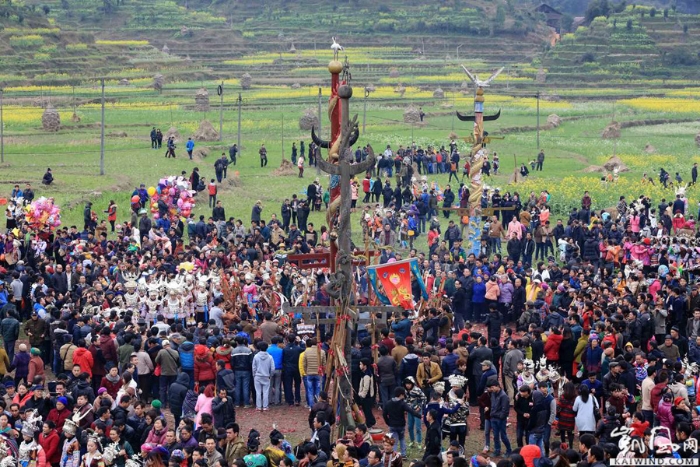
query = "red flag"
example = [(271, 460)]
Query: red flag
[(396, 282)]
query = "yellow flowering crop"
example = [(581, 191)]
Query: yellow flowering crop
[(663, 104), (19, 115)]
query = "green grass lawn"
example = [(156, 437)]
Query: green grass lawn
[(73, 153)]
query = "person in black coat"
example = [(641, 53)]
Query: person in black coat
[(223, 407), (376, 190), (176, 395), (433, 437), (514, 248), (448, 199)]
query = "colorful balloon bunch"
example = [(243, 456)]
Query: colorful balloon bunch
[(43, 213), (175, 193)]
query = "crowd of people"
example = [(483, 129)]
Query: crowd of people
[(154, 339)]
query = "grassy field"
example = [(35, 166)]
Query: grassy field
[(270, 115)]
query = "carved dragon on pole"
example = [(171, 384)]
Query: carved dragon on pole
[(478, 152), (344, 134)]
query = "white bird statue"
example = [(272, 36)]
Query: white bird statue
[(475, 78), (335, 47)]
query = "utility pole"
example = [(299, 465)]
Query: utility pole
[(538, 120), (319, 109), (2, 132), (102, 131), (239, 121), (364, 111), (221, 110), (282, 136)]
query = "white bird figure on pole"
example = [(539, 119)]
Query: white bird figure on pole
[(335, 47), (475, 78)]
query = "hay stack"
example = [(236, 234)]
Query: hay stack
[(649, 149), (286, 168), (201, 152), (206, 132), (612, 131), (51, 119), (308, 120), (158, 82), (594, 169), (553, 121), (201, 100), (464, 86), (697, 139), (124, 82), (400, 89), (453, 136), (246, 81), (541, 77), (393, 72), (74, 118), (166, 49), (515, 178), (615, 163), (439, 93), (117, 134), (411, 115), (370, 88), (234, 180), (172, 131), (296, 86)]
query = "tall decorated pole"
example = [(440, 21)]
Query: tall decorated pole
[(478, 152), (340, 75), (344, 134)]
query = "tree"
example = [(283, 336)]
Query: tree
[(566, 22), (665, 13), (652, 12), (500, 19), (597, 8), (629, 24), (615, 23), (685, 29)]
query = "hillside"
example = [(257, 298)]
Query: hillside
[(398, 43)]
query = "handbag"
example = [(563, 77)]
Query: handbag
[(157, 370)]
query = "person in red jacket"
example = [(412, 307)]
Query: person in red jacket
[(551, 347), (112, 382), (49, 442), (204, 370), (83, 357), (59, 415)]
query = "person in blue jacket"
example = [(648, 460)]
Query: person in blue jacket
[(402, 328), (190, 147)]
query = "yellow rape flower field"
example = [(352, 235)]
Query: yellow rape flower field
[(663, 104), (15, 115)]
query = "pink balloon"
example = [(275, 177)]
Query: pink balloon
[(172, 192), (156, 215), (179, 203), (184, 195)]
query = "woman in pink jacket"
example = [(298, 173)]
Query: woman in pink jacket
[(157, 433)]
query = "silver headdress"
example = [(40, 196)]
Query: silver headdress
[(457, 381), (33, 424)]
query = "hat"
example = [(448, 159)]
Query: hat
[(678, 400), (613, 364), (178, 455), (409, 340), (62, 400), (646, 241), (35, 351), (537, 281), (166, 342), (34, 313), (101, 391), (10, 384), (156, 404), (675, 328), (668, 336)]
